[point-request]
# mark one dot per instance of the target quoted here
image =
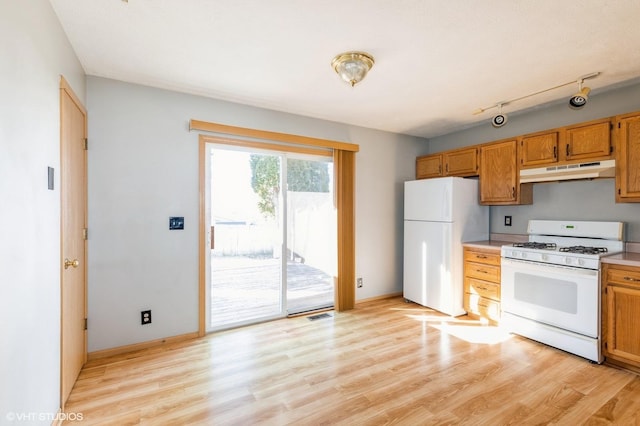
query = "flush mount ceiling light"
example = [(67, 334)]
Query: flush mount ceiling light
[(352, 67), (577, 101)]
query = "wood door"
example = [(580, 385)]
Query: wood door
[(539, 149), (428, 166), (461, 162), (498, 173), (73, 217), (628, 173), (592, 141), (623, 335)]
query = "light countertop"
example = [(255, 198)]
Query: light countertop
[(627, 258), (487, 244)]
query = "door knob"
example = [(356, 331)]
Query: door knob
[(73, 263)]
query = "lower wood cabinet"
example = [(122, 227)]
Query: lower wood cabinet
[(621, 315), (482, 283)]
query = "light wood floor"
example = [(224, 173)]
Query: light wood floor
[(386, 362)]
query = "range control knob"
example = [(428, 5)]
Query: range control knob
[(524, 255), (567, 260), (581, 262), (544, 257)]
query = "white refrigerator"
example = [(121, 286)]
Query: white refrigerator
[(439, 215)]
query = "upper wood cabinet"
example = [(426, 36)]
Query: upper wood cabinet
[(461, 162), (458, 162), (628, 158), (499, 175), (587, 141), (429, 166), (538, 149)]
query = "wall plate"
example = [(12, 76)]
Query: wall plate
[(176, 222)]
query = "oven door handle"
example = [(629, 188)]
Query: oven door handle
[(527, 265)]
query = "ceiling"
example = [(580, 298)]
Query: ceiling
[(436, 61)]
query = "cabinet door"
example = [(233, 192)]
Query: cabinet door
[(592, 141), (623, 311), (428, 166), (499, 183), (463, 162), (539, 149), (628, 159)]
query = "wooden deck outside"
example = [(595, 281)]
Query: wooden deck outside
[(247, 288)]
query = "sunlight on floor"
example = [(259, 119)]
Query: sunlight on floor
[(485, 334), (472, 331)]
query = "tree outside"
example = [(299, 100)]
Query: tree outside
[(302, 176)]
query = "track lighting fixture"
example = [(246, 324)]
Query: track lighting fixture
[(500, 119), (577, 101)]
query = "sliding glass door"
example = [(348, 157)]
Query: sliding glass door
[(272, 233)]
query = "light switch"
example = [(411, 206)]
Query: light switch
[(176, 222), (50, 172)]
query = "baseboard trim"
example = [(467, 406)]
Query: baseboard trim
[(59, 418), (384, 296), (104, 353)]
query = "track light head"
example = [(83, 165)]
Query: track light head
[(499, 120), (579, 100)]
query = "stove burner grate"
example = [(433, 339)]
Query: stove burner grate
[(534, 245), (583, 250)]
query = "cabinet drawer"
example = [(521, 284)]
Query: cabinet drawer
[(482, 307), (482, 257), (482, 272), (482, 288), (624, 277)]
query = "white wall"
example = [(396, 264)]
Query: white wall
[(34, 52), (143, 168), (577, 200)]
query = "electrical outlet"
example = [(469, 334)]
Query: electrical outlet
[(145, 317), (507, 221), (359, 282)]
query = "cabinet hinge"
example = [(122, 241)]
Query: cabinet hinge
[(619, 127), (611, 149), (85, 234), (619, 192), (606, 346), (85, 323), (86, 144)]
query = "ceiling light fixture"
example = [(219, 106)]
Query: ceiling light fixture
[(577, 101), (500, 119), (352, 67)]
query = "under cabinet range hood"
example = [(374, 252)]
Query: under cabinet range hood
[(590, 170)]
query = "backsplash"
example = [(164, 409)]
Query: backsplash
[(573, 200)]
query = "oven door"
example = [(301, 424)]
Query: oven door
[(564, 297)]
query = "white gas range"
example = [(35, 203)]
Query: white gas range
[(551, 284)]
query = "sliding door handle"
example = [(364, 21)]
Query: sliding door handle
[(213, 239)]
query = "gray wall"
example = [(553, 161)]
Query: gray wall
[(143, 168), (577, 200), (34, 52)]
